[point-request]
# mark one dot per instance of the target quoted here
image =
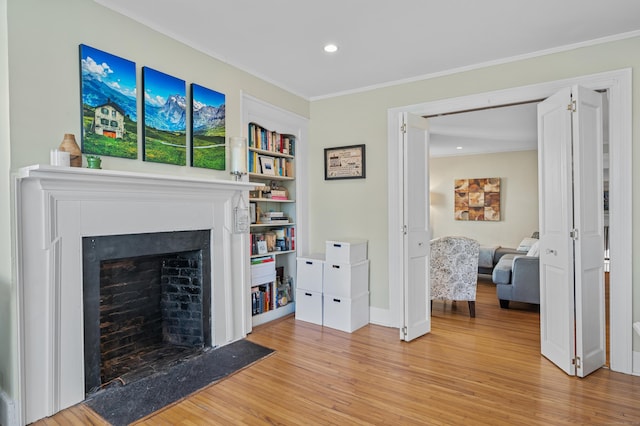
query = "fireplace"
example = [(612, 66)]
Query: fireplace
[(60, 210), (146, 303)]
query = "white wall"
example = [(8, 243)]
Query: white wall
[(518, 172), (44, 100)]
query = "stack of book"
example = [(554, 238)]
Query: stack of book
[(279, 194), (273, 217)]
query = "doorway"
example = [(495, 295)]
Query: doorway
[(620, 196)]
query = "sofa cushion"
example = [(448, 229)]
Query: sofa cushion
[(502, 270)]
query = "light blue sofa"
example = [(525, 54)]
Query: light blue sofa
[(517, 278)]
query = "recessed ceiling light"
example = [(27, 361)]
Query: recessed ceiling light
[(330, 48), (458, 147)]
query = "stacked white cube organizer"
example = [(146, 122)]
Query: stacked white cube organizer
[(309, 288), (333, 290)]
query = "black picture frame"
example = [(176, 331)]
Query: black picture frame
[(345, 162)]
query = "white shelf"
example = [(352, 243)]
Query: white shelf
[(278, 132), (271, 153), (273, 314), (270, 200), (269, 177), (269, 225), (272, 253)]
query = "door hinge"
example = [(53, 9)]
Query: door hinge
[(574, 234), (577, 362), (404, 229), (404, 330), (403, 128), (572, 106)]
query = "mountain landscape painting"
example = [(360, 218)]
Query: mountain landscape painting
[(165, 127), (108, 97), (207, 128)]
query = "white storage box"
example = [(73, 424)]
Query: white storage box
[(346, 314), (345, 279), (309, 306), (346, 251), (309, 272), (262, 273)]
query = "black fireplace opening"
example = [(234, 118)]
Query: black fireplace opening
[(147, 303)]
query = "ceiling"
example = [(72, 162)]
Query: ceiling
[(380, 42), (511, 128), (383, 43)]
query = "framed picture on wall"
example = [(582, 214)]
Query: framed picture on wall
[(208, 145), (109, 122), (345, 162), (165, 126)]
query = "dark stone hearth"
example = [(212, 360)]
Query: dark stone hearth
[(123, 405), (146, 302)]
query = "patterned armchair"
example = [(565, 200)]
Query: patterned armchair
[(453, 270)]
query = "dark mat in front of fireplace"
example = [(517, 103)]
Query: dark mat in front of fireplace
[(122, 405)]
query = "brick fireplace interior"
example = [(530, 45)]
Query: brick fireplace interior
[(147, 303)]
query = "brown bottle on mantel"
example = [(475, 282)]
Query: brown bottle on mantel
[(69, 145)]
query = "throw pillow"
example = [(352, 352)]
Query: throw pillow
[(534, 250), (526, 243)]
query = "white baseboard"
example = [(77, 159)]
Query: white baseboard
[(381, 317), (635, 366), (8, 414)]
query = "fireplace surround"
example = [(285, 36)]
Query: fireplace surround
[(56, 208)]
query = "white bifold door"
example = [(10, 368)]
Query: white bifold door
[(572, 309), (415, 215)]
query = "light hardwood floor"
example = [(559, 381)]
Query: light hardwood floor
[(467, 371)]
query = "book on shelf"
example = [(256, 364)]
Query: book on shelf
[(265, 140), (261, 298), (282, 167)]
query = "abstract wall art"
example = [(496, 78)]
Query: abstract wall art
[(477, 199)]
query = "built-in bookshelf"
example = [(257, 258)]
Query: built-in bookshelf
[(271, 161)]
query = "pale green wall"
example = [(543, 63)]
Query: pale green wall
[(359, 208), (7, 316), (43, 39), (518, 172)]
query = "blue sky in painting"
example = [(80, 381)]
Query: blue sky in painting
[(117, 73), (159, 86), (206, 96)]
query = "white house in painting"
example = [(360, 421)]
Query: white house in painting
[(109, 121)]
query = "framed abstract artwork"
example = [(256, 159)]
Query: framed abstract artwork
[(165, 118), (208, 146), (477, 199), (109, 110)]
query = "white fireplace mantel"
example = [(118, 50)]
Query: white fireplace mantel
[(56, 208)]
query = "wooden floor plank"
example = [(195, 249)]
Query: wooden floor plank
[(483, 370)]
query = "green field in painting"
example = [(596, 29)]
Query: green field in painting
[(102, 145), (212, 153), (158, 146)]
